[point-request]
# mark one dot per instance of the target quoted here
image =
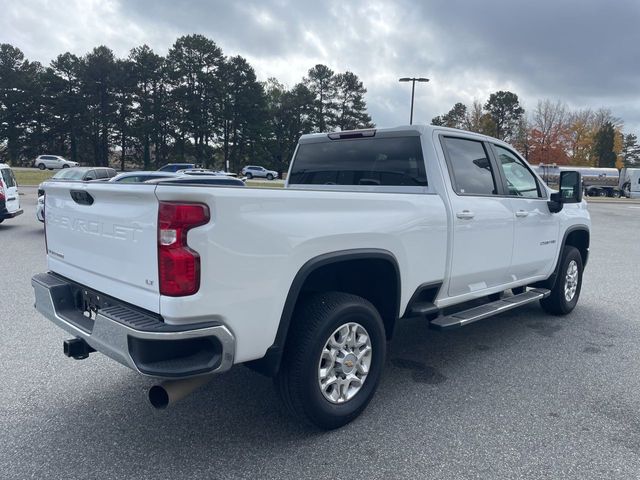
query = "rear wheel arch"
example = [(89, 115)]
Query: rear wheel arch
[(372, 274)]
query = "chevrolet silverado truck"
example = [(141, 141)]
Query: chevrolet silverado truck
[(307, 283)]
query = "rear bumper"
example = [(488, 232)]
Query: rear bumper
[(4, 213), (137, 339)]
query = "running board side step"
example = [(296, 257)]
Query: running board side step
[(466, 317)]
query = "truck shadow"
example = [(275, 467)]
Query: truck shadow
[(238, 415)]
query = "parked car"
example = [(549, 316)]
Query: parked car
[(196, 171), (53, 162), (140, 177), (307, 283), (81, 174), (200, 180), (227, 174), (253, 171), (174, 167), (9, 195)]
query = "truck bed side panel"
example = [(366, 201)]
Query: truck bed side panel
[(258, 239)]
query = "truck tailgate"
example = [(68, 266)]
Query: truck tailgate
[(104, 236)]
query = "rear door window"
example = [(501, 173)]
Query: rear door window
[(391, 161), (469, 166)]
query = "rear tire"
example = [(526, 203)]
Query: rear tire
[(249, 175), (42, 166), (566, 291), (333, 359)]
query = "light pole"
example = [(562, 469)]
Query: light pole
[(413, 81)]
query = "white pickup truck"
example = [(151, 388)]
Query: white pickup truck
[(307, 283)]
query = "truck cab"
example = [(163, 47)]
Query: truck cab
[(630, 182)]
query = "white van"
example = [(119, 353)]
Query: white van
[(9, 198)]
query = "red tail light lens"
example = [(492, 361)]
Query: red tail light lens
[(179, 265), (2, 197)]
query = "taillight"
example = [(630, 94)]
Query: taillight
[(2, 197), (179, 265)]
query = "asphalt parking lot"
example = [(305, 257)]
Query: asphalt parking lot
[(520, 395)]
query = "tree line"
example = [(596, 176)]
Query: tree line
[(194, 104), (551, 133)]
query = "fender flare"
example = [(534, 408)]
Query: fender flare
[(270, 363), (551, 281)]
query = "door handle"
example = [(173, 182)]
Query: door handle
[(522, 213), (465, 215)]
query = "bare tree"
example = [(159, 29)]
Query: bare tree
[(473, 120), (548, 132)]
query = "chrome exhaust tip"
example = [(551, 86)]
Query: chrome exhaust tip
[(170, 392)]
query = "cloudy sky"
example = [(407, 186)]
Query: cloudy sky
[(582, 52)]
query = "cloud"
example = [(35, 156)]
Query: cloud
[(581, 52)]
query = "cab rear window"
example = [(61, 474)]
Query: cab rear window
[(395, 161)]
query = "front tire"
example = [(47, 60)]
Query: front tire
[(269, 176), (566, 291), (65, 166), (333, 359)]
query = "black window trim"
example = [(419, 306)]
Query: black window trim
[(497, 180), (503, 179)]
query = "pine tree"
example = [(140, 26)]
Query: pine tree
[(505, 112), (603, 147), (630, 150), (321, 82), (352, 108)]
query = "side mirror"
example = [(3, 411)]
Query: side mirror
[(570, 191)]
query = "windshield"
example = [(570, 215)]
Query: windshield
[(69, 174)]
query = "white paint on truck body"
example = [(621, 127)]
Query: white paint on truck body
[(258, 239)]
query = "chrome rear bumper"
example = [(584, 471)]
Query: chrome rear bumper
[(137, 339)]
